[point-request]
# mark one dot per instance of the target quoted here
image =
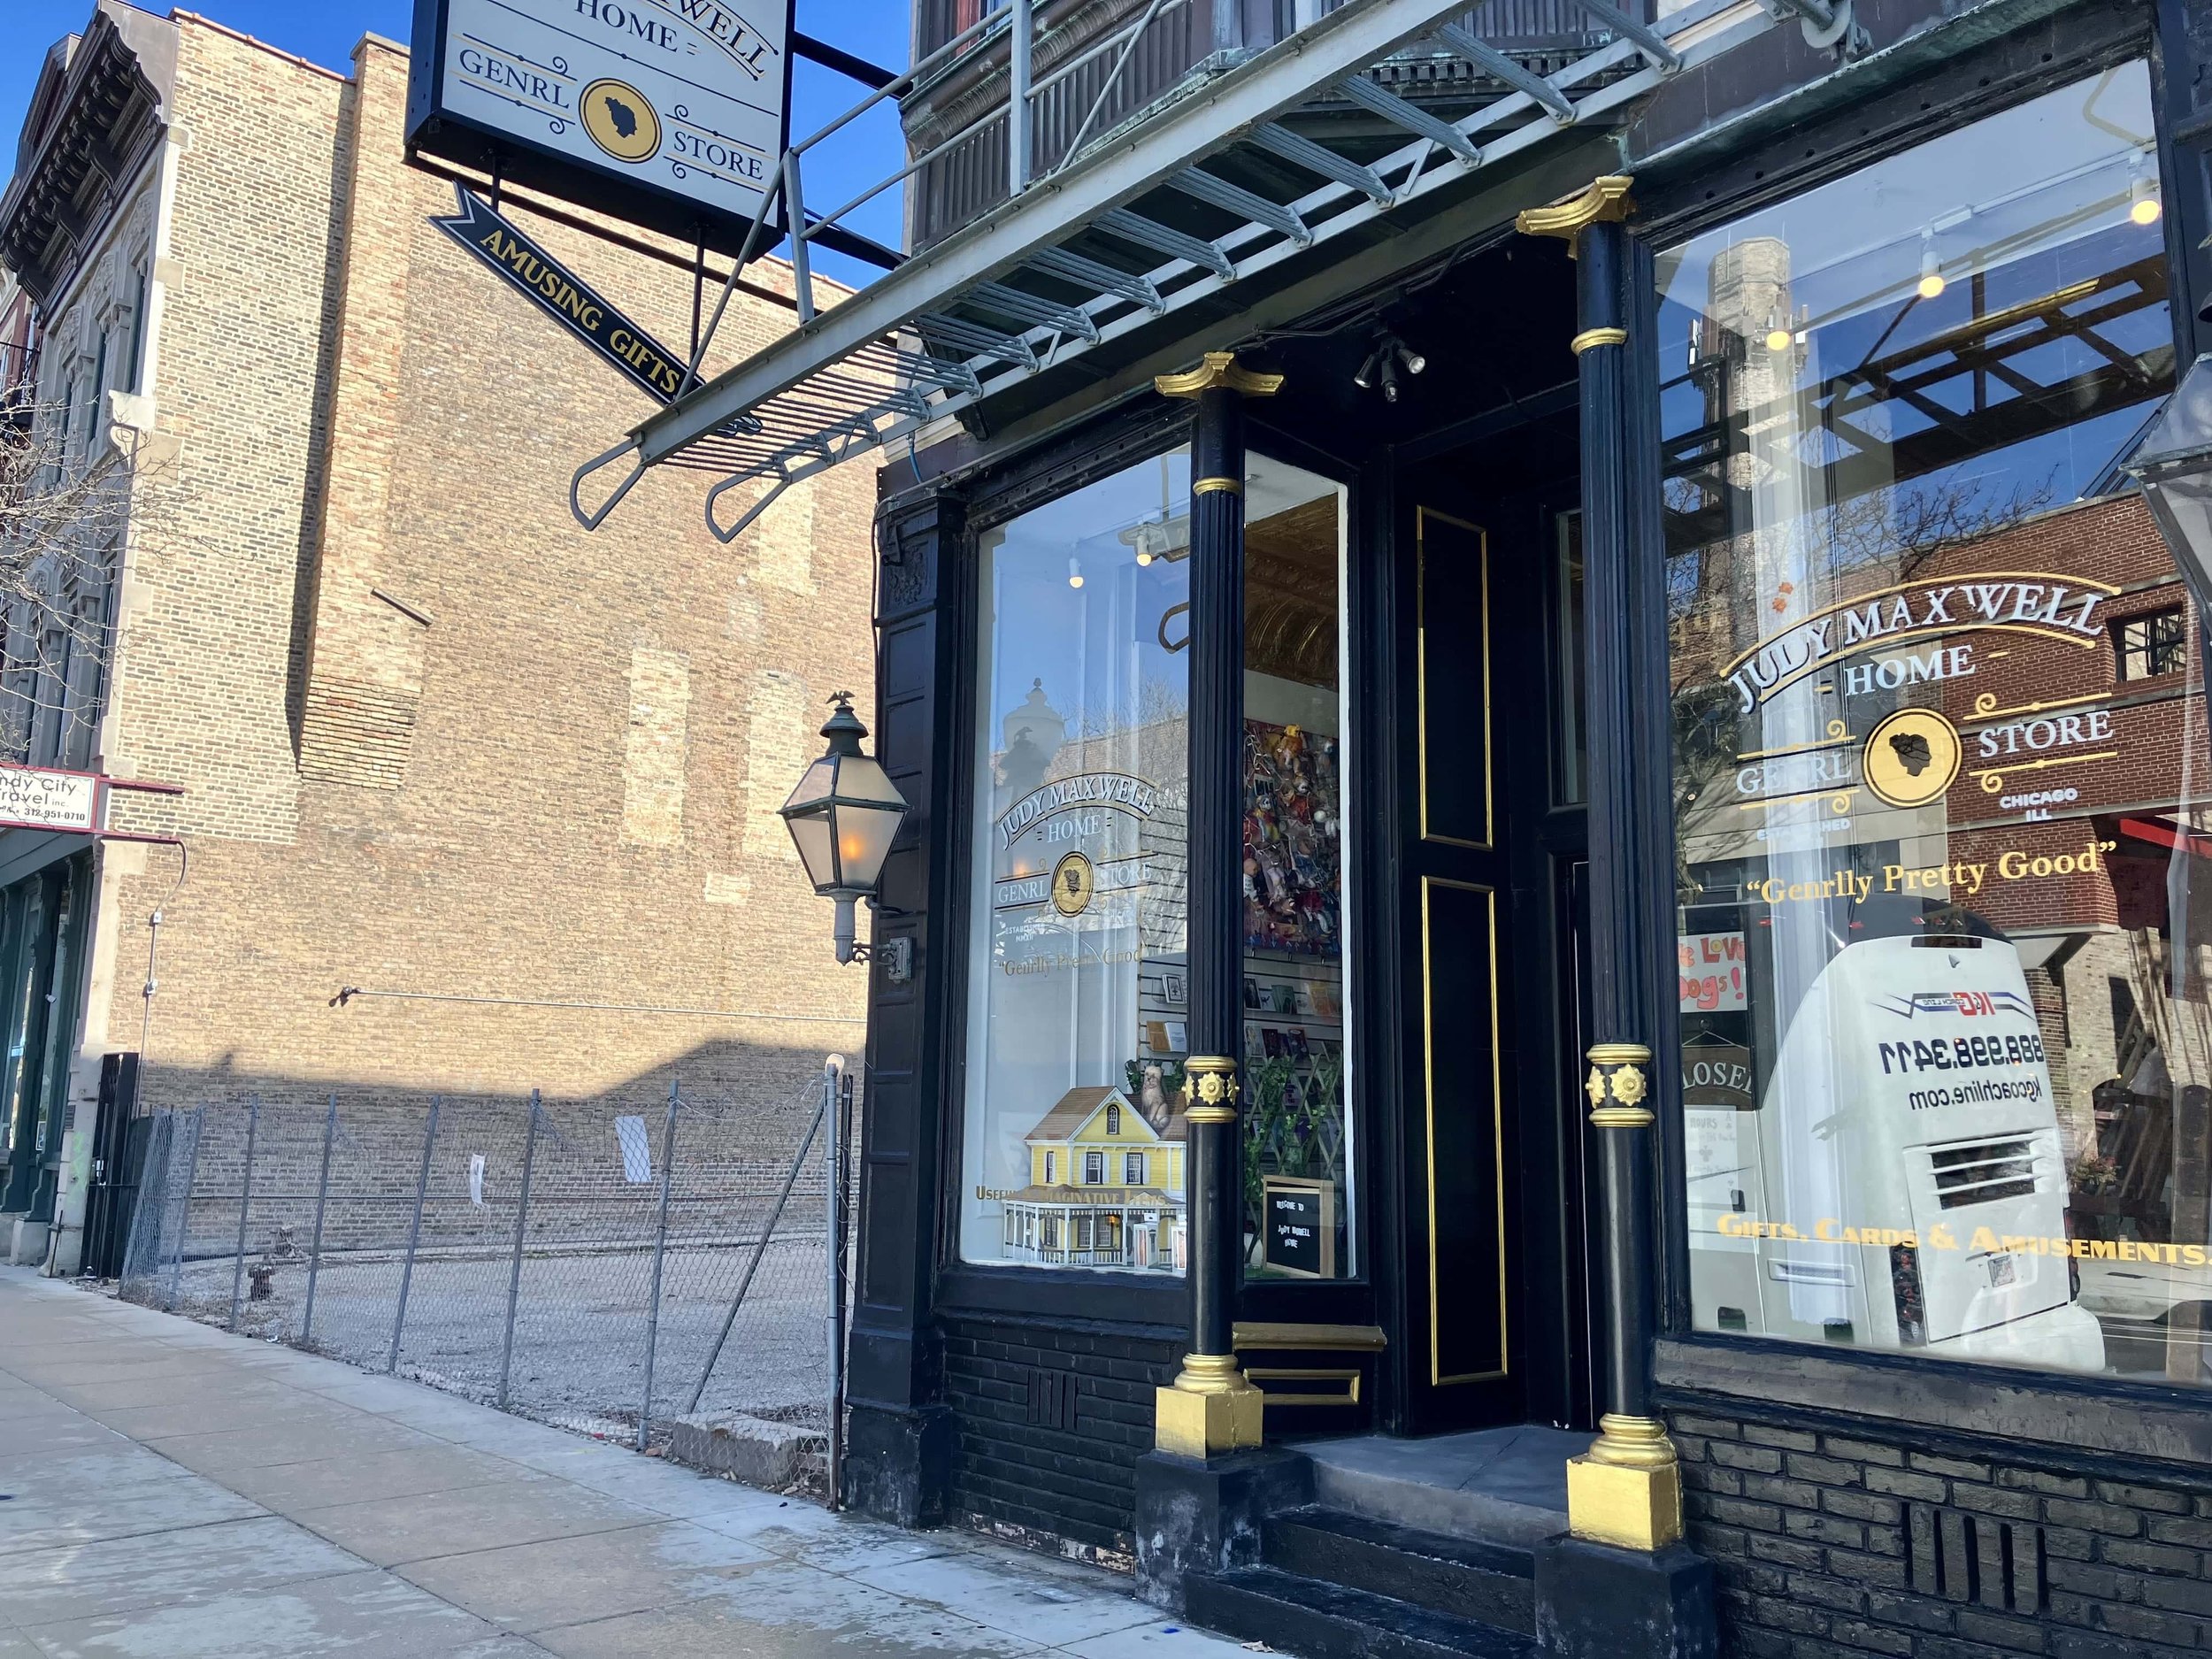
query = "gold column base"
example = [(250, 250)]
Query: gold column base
[(1210, 1408), (1626, 1490)]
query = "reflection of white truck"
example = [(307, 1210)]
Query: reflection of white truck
[(1901, 1184)]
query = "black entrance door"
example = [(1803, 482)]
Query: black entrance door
[(1493, 1312), (1462, 1269)]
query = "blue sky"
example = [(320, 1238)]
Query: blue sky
[(325, 31)]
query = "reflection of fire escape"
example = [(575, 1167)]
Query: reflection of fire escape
[(1976, 386)]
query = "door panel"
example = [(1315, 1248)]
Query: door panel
[(1461, 1263), (1469, 1331)]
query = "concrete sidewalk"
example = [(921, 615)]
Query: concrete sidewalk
[(167, 1490)]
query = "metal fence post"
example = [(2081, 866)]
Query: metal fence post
[(245, 1204), (514, 1275), (790, 1179), (834, 1089), (414, 1236), (322, 1197), (660, 1252), (184, 1212)]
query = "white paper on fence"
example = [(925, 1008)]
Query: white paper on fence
[(637, 1157), (476, 1179)]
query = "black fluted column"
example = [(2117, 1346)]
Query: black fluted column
[(1211, 1407)]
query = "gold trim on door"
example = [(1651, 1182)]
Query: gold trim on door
[(1421, 515), (1348, 1395), (1497, 1129)]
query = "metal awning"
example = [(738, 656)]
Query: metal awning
[(1086, 253)]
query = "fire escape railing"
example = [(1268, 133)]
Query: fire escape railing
[(1008, 297)]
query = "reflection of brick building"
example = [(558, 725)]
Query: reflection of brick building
[(2074, 750)]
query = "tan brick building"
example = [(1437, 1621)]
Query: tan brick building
[(432, 737)]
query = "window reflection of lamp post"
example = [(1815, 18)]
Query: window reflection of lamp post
[(842, 817), (2173, 464)]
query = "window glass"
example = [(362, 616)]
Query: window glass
[(1079, 978), (1938, 738), (1297, 1064)]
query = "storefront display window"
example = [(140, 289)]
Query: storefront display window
[(1079, 979), (1939, 745), (1297, 1131), (1079, 987)]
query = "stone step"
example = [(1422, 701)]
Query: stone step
[(1313, 1619), (1493, 1584)]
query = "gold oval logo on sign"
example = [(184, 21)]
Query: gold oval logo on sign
[(620, 121), (1912, 756), (1073, 882)]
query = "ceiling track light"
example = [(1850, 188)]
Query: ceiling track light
[(1075, 573), (2143, 205), (1932, 283), (1381, 365)]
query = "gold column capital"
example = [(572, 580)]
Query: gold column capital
[(1604, 200), (1218, 369), (1209, 1089), (1626, 1490), (1619, 1075)]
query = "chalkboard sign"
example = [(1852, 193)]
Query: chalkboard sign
[(1299, 1229)]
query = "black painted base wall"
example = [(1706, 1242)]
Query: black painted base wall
[(1049, 1423), (1828, 1544)]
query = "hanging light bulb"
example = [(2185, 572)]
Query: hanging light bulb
[(1932, 282), (2144, 207), (1779, 338), (1075, 573)]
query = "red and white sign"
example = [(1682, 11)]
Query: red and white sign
[(1712, 972)]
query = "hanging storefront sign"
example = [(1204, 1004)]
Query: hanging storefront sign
[(565, 296), (40, 798), (67, 802), (670, 114)]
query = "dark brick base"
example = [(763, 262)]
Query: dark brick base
[(1050, 1420), (1828, 1544)]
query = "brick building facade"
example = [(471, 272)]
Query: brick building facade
[(432, 736)]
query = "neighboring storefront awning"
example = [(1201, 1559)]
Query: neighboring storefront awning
[(1079, 259)]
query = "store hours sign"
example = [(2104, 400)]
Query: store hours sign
[(670, 114)]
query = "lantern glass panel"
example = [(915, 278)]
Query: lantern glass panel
[(811, 835), (864, 840), (818, 784)]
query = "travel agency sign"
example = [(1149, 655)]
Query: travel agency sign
[(670, 114)]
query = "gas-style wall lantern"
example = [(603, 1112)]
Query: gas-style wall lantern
[(2173, 464), (842, 817)]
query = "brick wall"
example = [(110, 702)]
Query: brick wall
[(1863, 1542), (1050, 1423), (554, 782)]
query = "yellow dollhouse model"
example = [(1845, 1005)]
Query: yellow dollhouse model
[(1105, 1187)]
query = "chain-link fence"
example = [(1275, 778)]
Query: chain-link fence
[(604, 1270)]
